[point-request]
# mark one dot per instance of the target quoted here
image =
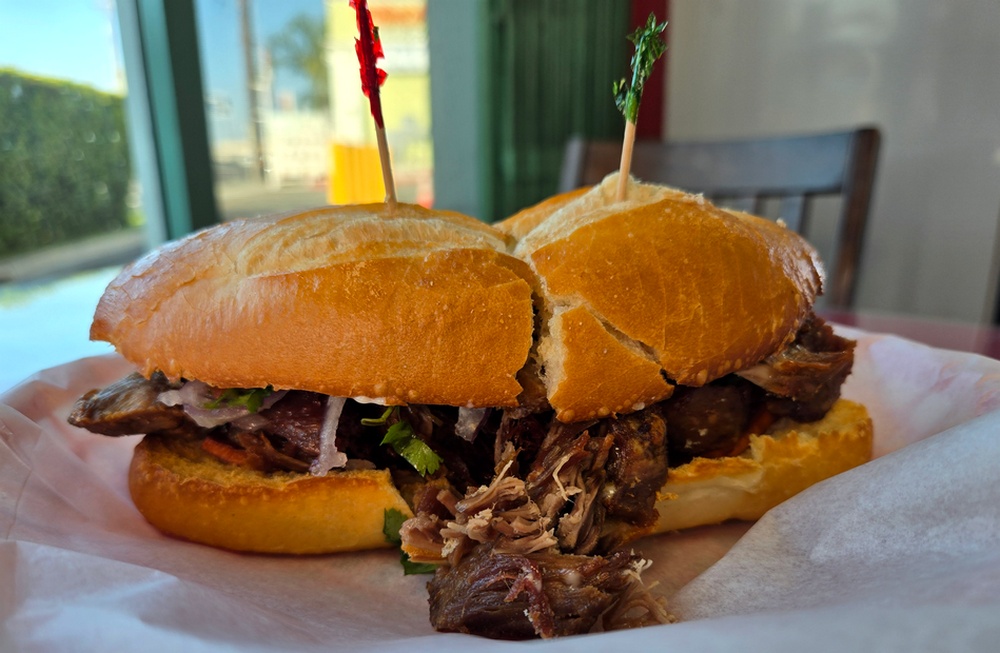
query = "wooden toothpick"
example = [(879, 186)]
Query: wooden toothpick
[(369, 49)]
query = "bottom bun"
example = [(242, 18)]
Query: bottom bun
[(185, 492), (775, 467)]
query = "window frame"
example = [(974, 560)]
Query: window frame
[(165, 105)]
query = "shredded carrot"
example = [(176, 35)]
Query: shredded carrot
[(225, 453)]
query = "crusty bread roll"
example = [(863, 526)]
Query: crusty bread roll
[(393, 303), (682, 286), (185, 492), (409, 299), (519, 224), (789, 458)]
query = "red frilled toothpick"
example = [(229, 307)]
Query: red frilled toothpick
[(369, 49)]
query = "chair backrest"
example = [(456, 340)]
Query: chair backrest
[(744, 174)]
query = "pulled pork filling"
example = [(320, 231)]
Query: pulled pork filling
[(526, 515), (516, 596)]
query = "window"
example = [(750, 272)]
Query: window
[(287, 122), (296, 148), (67, 196)]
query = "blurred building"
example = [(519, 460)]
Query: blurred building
[(355, 175)]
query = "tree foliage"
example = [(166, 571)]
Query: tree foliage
[(64, 162), (300, 48)]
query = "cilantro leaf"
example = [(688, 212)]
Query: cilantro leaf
[(251, 398), (392, 520), (415, 451), (403, 440)]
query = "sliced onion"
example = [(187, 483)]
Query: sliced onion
[(329, 456), (272, 398), (212, 417), (469, 419), (194, 393), (193, 396)]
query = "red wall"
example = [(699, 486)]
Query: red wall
[(652, 113)]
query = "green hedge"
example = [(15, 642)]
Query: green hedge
[(64, 162)]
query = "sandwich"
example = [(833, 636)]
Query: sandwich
[(275, 355), (532, 397)]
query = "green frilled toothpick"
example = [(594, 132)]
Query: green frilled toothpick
[(649, 46)]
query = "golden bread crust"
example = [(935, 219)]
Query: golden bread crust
[(187, 493), (701, 291), (519, 224), (788, 459), (394, 304), (621, 379)]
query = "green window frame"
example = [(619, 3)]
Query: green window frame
[(166, 116)]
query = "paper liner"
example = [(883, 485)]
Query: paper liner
[(900, 554)]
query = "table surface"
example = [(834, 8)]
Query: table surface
[(48, 324)]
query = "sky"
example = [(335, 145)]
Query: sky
[(67, 39), (78, 40), (219, 36)]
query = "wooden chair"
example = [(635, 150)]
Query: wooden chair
[(744, 174)]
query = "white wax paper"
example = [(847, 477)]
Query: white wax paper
[(902, 554)]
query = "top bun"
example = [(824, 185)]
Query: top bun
[(407, 305), (399, 305), (658, 289)]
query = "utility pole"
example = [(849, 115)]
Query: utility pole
[(250, 63)]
